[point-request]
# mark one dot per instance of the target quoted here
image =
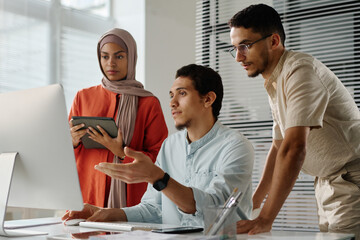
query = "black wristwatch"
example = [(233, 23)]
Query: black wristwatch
[(161, 183)]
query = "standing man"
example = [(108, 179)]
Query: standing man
[(196, 167), (316, 125)]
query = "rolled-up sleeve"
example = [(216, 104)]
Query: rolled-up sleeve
[(148, 210)]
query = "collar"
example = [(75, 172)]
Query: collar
[(272, 81), (194, 146)]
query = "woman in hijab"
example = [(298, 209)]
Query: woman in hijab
[(137, 114)]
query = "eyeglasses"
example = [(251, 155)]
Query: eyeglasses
[(244, 48)]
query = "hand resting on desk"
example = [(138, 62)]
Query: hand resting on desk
[(73, 222), (96, 214), (258, 225)]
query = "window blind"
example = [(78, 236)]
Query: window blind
[(23, 47), (327, 29), (79, 63), (43, 42)]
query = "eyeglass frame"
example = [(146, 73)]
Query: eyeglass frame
[(247, 46)]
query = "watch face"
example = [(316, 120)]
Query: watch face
[(161, 183)]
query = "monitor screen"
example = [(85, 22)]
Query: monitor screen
[(34, 124)]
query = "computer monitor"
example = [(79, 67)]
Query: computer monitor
[(37, 162)]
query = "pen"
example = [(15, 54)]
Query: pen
[(226, 210), (230, 197)]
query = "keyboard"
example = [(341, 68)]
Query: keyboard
[(121, 226)]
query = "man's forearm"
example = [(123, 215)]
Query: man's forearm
[(181, 195), (117, 214), (265, 182), (287, 168)]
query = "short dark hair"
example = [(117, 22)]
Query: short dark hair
[(261, 19), (205, 80)]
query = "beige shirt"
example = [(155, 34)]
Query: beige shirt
[(304, 92)]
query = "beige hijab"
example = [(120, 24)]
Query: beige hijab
[(130, 91)]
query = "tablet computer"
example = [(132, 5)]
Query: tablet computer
[(108, 124), (182, 229)]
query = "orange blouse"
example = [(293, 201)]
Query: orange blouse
[(149, 133)]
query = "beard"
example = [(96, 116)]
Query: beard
[(183, 125), (261, 69), (255, 74)]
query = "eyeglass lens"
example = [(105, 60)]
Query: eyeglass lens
[(242, 48)]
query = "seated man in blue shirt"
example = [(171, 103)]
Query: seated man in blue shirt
[(196, 167)]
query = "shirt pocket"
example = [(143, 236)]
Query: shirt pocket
[(202, 178)]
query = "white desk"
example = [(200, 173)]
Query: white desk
[(61, 229)]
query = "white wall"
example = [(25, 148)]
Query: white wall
[(170, 44), (130, 15), (165, 34)]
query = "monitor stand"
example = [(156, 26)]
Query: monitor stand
[(7, 164)]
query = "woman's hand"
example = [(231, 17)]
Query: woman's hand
[(115, 145), (76, 134)]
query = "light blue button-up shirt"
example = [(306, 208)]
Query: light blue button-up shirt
[(212, 166)]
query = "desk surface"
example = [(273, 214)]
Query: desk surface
[(59, 228)]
